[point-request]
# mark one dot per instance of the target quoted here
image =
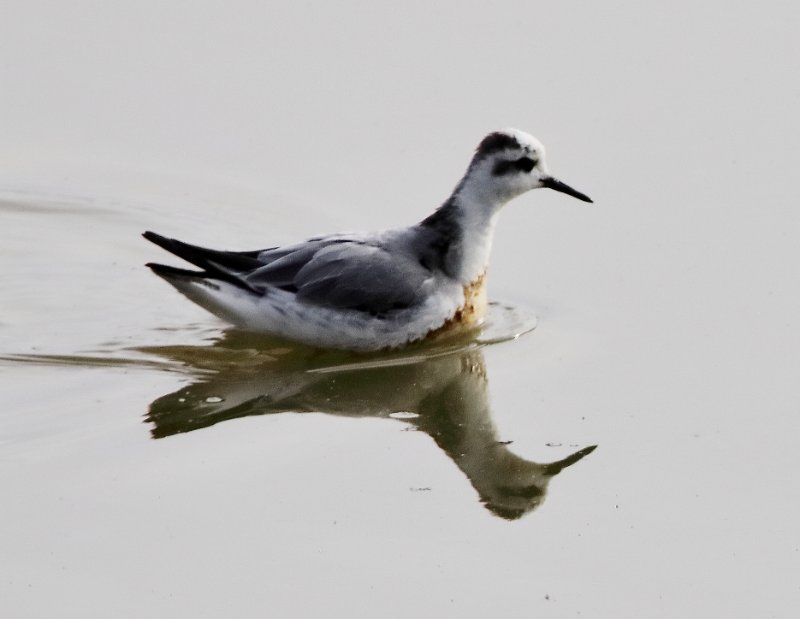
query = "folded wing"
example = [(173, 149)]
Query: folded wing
[(346, 274), (337, 272)]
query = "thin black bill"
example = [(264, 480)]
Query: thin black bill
[(553, 183)]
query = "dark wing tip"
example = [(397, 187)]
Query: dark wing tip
[(159, 240), (164, 270)]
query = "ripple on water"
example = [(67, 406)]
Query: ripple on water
[(403, 415), (233, 348), (505, 322)]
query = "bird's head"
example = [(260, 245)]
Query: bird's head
[(508, 163)]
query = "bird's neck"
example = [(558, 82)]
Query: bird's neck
[(463, 230)]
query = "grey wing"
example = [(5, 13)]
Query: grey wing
[(345, 274)]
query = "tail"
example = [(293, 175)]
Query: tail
[(225, 299), (203, 257), (170, 273), (227, 266)]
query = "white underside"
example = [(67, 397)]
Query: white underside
[(279, 313)]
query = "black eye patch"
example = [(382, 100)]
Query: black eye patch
[(524, 164)]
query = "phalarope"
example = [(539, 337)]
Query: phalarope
[(372, 291)]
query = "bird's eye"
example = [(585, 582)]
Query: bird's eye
[(524, 164)]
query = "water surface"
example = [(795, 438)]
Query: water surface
[(157, 464)]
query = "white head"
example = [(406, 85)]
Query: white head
[(506, 164)]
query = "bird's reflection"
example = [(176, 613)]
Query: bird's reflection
[(442, 392)]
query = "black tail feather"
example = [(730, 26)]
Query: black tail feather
[(202, 257), (220, 265), (166, 270)]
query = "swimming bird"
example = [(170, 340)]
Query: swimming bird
[(362, 292)]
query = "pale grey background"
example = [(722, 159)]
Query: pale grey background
[(668, 310)]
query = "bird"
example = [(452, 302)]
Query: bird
[(372, 291)]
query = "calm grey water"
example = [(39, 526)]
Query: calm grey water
[(155, 463)]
